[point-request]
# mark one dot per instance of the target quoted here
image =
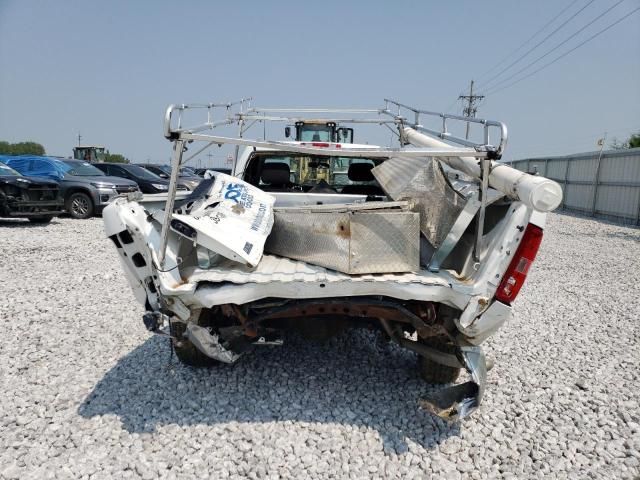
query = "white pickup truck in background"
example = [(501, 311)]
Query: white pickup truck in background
[(428, 242)]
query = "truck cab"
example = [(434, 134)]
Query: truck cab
[(89, 153), (320, 131), (303, 179)]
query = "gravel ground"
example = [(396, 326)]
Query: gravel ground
[(86, 392)]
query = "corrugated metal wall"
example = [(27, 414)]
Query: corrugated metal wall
[(605, 185)]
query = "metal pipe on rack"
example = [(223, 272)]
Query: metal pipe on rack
[(176, 160), (316, 110), (249, 116), (536, 192)]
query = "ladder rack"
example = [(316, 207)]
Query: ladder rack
[(443, 132), (241, 113)]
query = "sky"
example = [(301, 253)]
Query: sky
[(108, 70)]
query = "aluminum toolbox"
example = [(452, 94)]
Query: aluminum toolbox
[(374, 237)]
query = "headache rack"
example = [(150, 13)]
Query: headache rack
[(394, 115)]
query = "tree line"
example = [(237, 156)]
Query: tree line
[(21, 148), (632, 142), (115, 158), (34, 148)]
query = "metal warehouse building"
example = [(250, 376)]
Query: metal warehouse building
[(602, 184)]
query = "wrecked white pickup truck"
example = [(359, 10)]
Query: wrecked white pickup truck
[(428, 242)]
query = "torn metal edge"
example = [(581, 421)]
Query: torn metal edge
[(459, 401), (208, 344)]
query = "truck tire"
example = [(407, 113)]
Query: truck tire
[(79, 205), (186, 351), (432, 372), (41, 219)]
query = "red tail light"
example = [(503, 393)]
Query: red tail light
[(516, 274)]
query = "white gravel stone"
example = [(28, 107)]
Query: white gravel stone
[(86, 392)]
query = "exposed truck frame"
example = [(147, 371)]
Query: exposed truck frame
[(464, 305)]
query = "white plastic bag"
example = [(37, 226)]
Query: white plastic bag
[(232, 219)]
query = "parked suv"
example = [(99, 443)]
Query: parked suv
[(201, 171), (186, 178), (147, 181), (37, 199), (85, 189)]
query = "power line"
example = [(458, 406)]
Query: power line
[(565, 53), (516, 50), (528, 39), (557, 46), (540, 42)]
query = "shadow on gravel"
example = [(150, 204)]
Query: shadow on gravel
[(23, 223), (352, 380)]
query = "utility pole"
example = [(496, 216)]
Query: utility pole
[(210, 156), (79, 138), (596, 180), (471, 108)]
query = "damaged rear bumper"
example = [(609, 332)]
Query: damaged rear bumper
[(459, 401)]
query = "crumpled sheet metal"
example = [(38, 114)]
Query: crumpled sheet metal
[(422, 181), (208, 344), (459, 401)]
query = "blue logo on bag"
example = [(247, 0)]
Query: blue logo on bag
[(234, 192)]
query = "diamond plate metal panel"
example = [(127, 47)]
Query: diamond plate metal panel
[(422, 181), (384, 242), (353, 241), (314, 237)]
